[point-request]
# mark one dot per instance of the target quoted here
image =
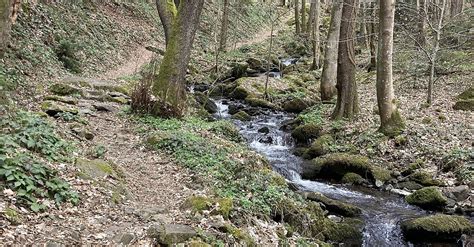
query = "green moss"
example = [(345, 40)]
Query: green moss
[(348, 232), (305, 132), (352, 178), (334, 206), (338, 164), (52, 108), (394, 126), (256, 102), (380, 174), (198, 203), (437, 228), (240, 235), (242, 116), (239, 93), (64, 89), (96, 169), (425, 179), (67, 100), (468, 94), (226, 205), (464, 105), (319, 146), (429, 198), (198, 243), (13, 216)]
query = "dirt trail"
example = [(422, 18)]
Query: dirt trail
[(264, 34), (138, 59)]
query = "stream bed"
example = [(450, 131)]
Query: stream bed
[(381, 211)]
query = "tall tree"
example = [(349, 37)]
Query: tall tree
[(315, 36), (297, 17), (347, 105), (391, 122), (181, 20), (224, 26), (421, 37), (303, 16), (329, 75), (8, 12), (372, 38)]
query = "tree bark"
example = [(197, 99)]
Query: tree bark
[(316, 36), (224, 26), (303, 16), (312, 9), (167, 10), (435, 50), (372, 39), (421, 37), (347, 105), (8, 12), (329, 74), (297, 17), (169, 85), (391, 122)]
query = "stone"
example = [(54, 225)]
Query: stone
[(96, 169), (335, 218), (458, 193), (465, 100), (265, 139), (170, 234), (103, 107), (427, 198), (295, 105), (306, 132), (264, 130), (206, 102), (67, 100), (334, 206), (352, 178), (242, 116), (319, 147), (239, 69), (52, 108), (424, 178), (438, 227), (82, 132), (400, 192), (65, 89), (124, 238), (409, 185), (257, 102)]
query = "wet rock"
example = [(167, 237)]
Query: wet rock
[(334, 206), (52, 108), (65, 89), (170, 234), (242, 116), (437, 228), (458, 193), (265, 139), (428, 198), (295, 105), (319, 147), (335, 218), (352, 178), (234, 108), (400, 192), (265, 130), (256, 102), (103, 107), (205, 102), (306, 132)]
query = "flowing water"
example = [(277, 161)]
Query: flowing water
[(382, 211)]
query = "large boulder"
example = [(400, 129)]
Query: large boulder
[(205, 102), (306, 132), (171, 234), (438, 227), (319, 147), (65, 89), (465, 101), (428, 198), (239, 69), (53, 108), (242, 116), (256, 64), (295, 105), (334, 206)]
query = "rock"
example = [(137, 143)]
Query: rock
[(124, 238), (437, 228), (458, 193), (319, 146), (389, 187), (82, 132), (265, 139), (170, 234), (96, 169), (409, 185), (103, 107), (239, 69), (424, 178), (465, 100), (52, 108), (352, 178), (65, 89), (335, 218), (334, 206), (427, 198), (239, 93), (378, 183), (256, 102), (67, 100), (255, 64), (295, 105), (205, 102), (304, 133), (234, 108), (242, 116), (265, 130), (400, 192)]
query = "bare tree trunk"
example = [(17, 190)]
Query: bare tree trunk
[(372, 36), (312, 10), (166, 11), (421, 37), (8, 13), (303, 16), (169, 85), (269, 54), (224, 26), (329, 75), (435, 50), (315, 37), (297, 17), (347, 105), (391, 122)]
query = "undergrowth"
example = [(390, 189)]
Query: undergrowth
[(25, 141)]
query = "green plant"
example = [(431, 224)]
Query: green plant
[(98, 151), (68, 117), (66, 52)]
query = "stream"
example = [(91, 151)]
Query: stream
[(381, 211)]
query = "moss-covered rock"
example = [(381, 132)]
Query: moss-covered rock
[(67, 100), (65, 89), (239, 93), (348, 232), (198, 203), (464, 105), (239, 69), (52, 108), (205, 102), (468, 94), (295, 105), (352, 178), (334, 206), (242, 116), (97, 169), (240, 235), (437, 228), (429, 198), (257, 102), (424, 178), (306, 132), (409, 185), (319, 146)]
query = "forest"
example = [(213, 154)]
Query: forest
[(237, 123)]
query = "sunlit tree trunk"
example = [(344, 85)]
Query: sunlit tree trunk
[(347, 105), (169, 84), (421, 36), (224, 26), (372, 39), (329, 75), (316, 36), (297, 17), (8, 12), (391, 122), (303, 16)]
